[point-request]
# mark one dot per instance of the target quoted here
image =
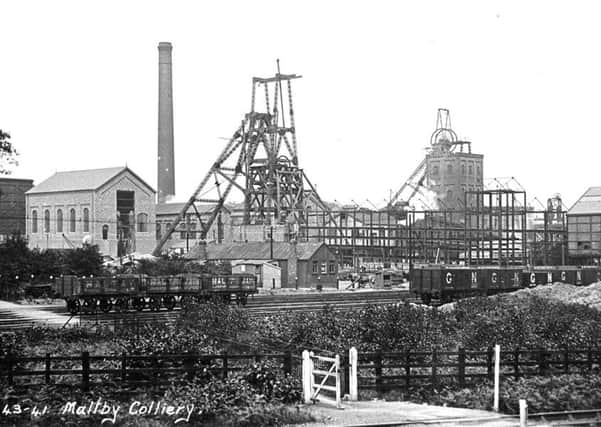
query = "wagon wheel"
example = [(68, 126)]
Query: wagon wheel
[(105, 305), (155, 303), (186, 301), (74, 306), (139, 303), (169, 302), (121, 305), (241, 299), (90, 305)]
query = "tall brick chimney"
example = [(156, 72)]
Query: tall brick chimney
[(166, 162)]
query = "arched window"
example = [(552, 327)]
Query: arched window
[(86, 220), (463, 170), (34, 221), (435, 171), (142, 223), (158, 231), (105, 232), (167, 227), (59, 221), (449, 195), (471, 170), (72, 220), (449, 168), (46, 221)]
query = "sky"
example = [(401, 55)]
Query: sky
[(522, 80)]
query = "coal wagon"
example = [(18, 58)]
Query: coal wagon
[(450, 282), (137, 291)]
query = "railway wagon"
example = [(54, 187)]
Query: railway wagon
[(137, 291), (448, 282)]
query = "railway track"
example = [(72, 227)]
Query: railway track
[(260, 305)]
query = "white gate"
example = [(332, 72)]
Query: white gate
[(315, 367)]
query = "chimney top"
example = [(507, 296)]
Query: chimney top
[(165, 45)]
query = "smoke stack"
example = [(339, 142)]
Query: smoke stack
[(166, 163)]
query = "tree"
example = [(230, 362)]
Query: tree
[(8, 154)]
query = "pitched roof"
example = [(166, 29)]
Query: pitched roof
[(89, 179), (256, 251), (176, 207), (589, 203)]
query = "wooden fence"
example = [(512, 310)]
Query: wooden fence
[(130, 370), (383, 371)]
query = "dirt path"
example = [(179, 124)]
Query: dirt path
[(365, 413)]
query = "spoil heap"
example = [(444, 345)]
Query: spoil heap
[(587, 295)]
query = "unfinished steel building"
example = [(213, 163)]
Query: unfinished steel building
[(443, 214)]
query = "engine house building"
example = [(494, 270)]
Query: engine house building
[(12, 206), (112, 208)]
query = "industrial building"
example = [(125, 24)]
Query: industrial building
[(584, 227), (187, 233), (269, 275), (12, 206), (112, 208), (302, 264)]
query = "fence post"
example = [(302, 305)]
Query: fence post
[(434, 362), (461, 367), (523, 413), (155, 370), (407, 369), (497, 377), (307, 374), (542, 364), (224, 365), (353, 380), (378, 366), (288, 363), (123, 366), (9, 367), (489, 365), (516, 363), (47, 368), (85, 370), (589, 357)]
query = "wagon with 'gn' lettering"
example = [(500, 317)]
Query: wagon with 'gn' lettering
[(137, 291), (449, 282)]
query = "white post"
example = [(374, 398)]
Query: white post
[(311, 376), (353, 386), (523, 413), (497, 374), (307, 374), (338, 397)]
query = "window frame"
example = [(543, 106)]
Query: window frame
[(59, 220), (72, 221)]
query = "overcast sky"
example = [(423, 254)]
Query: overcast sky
[(78, 86)]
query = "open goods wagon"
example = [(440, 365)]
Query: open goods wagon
[(125, 291), (449, 282)]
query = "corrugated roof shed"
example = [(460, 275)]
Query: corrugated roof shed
[(256, 251), (90, 179), (588, 204)]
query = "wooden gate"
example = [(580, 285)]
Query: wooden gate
[(317, 370)]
